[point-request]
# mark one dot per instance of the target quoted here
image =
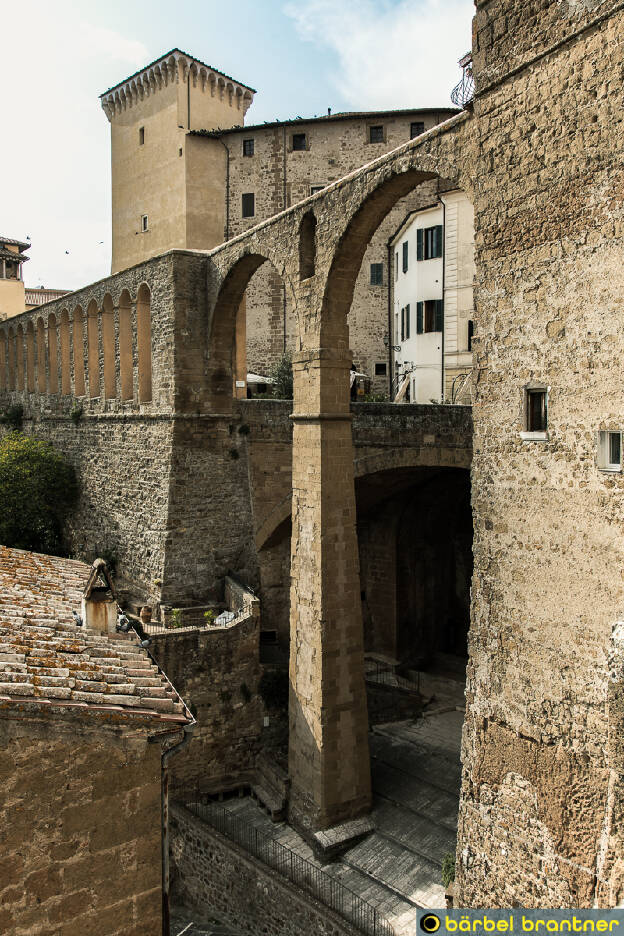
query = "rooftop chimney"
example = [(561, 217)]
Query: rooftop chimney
[(99, 604)]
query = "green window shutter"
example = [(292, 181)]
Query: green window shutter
[(439, 315), (407, 321), (438, 241), (402, 324), (419, 317), (419, 244)]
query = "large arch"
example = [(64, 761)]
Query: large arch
[(78, 352), (125, 346), (227, 334), (144, 343), (108, 347)]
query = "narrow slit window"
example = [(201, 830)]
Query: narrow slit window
[(141, 136), (144, 223)]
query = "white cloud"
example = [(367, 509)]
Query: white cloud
[(391, 55)]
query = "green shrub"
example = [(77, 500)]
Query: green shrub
[(448, 869), (209, 617), (38, 487), (176, 617), (282, 375), (13, 416)]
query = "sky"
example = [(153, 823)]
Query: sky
[(58, 56)]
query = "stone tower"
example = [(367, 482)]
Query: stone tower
[(156, 161)]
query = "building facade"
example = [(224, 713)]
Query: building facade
[(187, 173), (432, 302), (12, 257)]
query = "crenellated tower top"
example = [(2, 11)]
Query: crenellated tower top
[(177, 67)]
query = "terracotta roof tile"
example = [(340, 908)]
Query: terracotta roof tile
[(45, 657)]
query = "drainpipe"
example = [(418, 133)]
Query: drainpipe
[(284, 209), (164, 814), (443, 292), (164, 792), (227, 189), (390, 340)]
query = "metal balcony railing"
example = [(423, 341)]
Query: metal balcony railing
[(464, 92)]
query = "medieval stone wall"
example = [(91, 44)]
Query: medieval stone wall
[(217, 672), (215, 875), (543, 786), (80, 814)]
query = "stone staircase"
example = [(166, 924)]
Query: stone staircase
[(397, 868), (270, 787)]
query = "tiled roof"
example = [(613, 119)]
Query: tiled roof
[(327, 118), (47, 660), (10, 255), (16, 243), (191, 58)]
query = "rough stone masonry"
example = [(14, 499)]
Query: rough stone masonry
[(540, 155)]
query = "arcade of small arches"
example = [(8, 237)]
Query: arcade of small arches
[(101, 351)]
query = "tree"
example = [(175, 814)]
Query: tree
[(37, 489), (282, 375)]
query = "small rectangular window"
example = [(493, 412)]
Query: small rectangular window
[(536, 410), (416, 128), (316, 188), (144, 223), (470, 333), (248, 147), (376, 134), (376, 274), (249, 205), (299, 141), (141, 136), (405, 256), (381, 369), (610, 451)]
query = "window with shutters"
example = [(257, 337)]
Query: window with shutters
[(416, 128), (405, 249), (396, 265), (610, 451), (376, 274), (407, 321), (248, 205), (429, 242), (535, 413), (402, 324), (429, 316)]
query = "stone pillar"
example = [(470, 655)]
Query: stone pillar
[(329, 760)]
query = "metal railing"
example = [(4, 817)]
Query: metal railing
[(384, 674), (464, 92), (297, 870), (153, 627)]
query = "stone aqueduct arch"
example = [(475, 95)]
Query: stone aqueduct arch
[(328, 737), (193, 334)]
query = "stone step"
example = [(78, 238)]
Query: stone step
[(414, 832), (410, 877)]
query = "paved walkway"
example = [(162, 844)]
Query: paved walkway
[(416, 778)]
